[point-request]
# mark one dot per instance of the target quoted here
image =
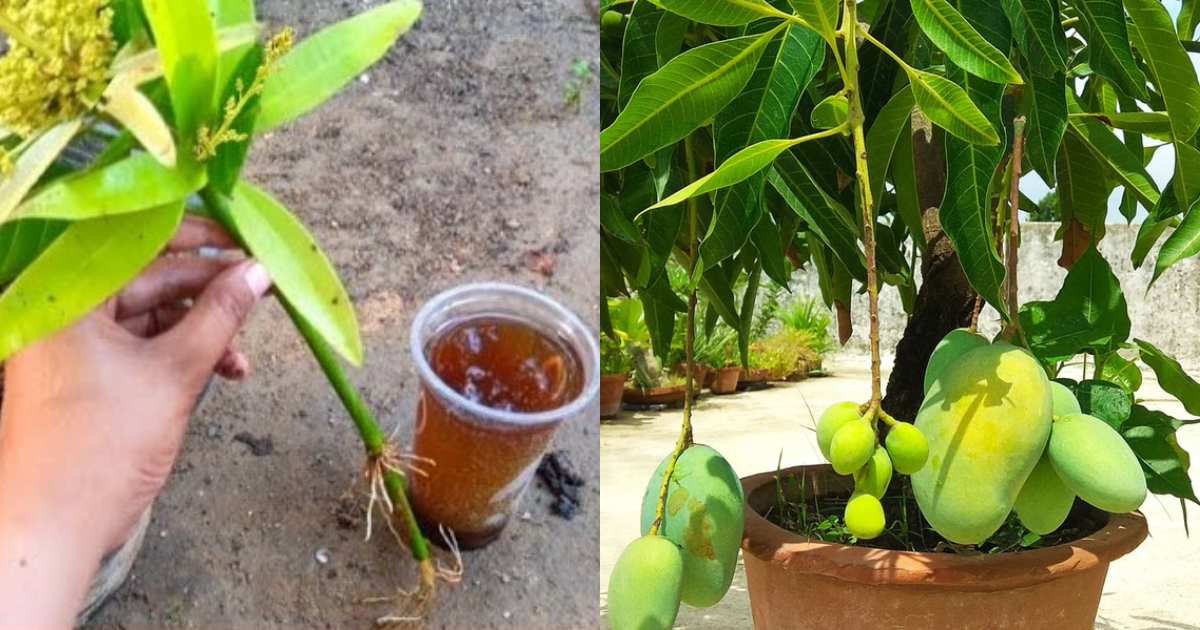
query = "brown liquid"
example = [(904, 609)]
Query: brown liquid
[(483, 466)]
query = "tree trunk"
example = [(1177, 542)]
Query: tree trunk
[(945, 300)]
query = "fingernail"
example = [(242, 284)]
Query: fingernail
[(258, 279)]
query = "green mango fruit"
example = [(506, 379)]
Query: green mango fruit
[(704, 516), (875, 475), (1064, 403), (864, 516), (907, 447), (1044, 501), (1096, 463), (834, 418), (987, 420), (956, 343), (851, 447), (644, 588)]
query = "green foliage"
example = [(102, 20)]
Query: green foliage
[(784, 353), (807, 315)]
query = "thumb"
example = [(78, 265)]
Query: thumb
[(200, 339)]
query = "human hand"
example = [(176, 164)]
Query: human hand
[(93, 418)]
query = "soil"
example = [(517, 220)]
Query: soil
[(453, 160)]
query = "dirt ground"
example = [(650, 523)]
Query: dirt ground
[(453, 160)]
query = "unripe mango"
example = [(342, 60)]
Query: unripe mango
[(907, 447), (956, 343), (1065, 402), (834, 418), (704, 516), (851, 447), (864, 516), (987, 420), (644, 588), (1045, 501), (1096, 463), (875, 476)]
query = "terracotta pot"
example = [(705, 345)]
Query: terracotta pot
[(612, 388), (656, 395), (699, 375), (797, 582), (726, 380)]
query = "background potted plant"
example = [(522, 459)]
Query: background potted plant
[(172, 95), (752, 169), (614, 371)]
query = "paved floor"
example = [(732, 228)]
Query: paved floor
[(1154, 588)]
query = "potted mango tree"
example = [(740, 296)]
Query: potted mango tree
[(163, 100), (854, 139)]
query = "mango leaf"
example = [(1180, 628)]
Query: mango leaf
[(669, 39), (1089, 311), (1171, 70), (876, 70), (318, 67), (1183, 243), (1044, 102), (753, 277), (1171, 376), (824, 215), (1117, 369), (660, 304), (1151, 435), (614, 221), (883, 135), (718, 294), (232, 12), (679, 97), (1082, 189), (1037, 28), (963, 45), (225, 168), (904, 179), (965, 212), (1108, 52), (1186, 181), (1104, 400), (108, 252), (1109, 149), (187, 43), (134, 184), (831, 112), (32, 164), (1154, 124), (948, 106), (147, 65), (639, 55), (21, 242), (1189, 16), (138, 115), (301, 271), (822, 15), (722, 12), (769, 241), (1148, 234)]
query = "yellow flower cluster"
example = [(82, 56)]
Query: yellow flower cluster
[(209, 141), (57, 63)]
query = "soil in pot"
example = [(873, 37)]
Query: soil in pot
[(726, 380), (797, 566), (612, 389)]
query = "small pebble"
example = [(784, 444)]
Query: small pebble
[(322, 556)]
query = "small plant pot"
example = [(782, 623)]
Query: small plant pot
[(726, 381), (656, 395), (798, 582), (612, 388)]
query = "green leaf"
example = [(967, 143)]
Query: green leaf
[(1089, 311), (301, 271), (883, 136), (963, 45), (679, 97), (32, 164), (614, 221), (225, 168), (1108, 51), (722, 12), (1154, 124), (1170, 68), (824, 215), (138, 115), (1186, 180), (1183, 243), (948, 106), (1189, 16), (767, 238), (318, 67), (1082, 186), (831, 112), (232, 12), (639, 55), (1045, 103), (1117, 369), (1106, 401), (753, 277), (21, 242), (966, 208), (876, 70), (1171, 376), (187, 44), (1148, 234), (669, 39), (1109, 149), (1037, 28), (108, 252), (134, 184), (904, 178), (1151, 435), (821, 14)]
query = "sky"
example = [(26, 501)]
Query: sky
[(1160, 167)]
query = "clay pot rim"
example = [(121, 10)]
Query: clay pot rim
[(771, 543), (614, 375)]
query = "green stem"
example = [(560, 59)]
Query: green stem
[(373, 438), (1014, 235)]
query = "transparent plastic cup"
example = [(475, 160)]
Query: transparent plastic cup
[(480, 459)]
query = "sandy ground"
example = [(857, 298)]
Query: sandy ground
[(453, 160), (1153, 588)]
